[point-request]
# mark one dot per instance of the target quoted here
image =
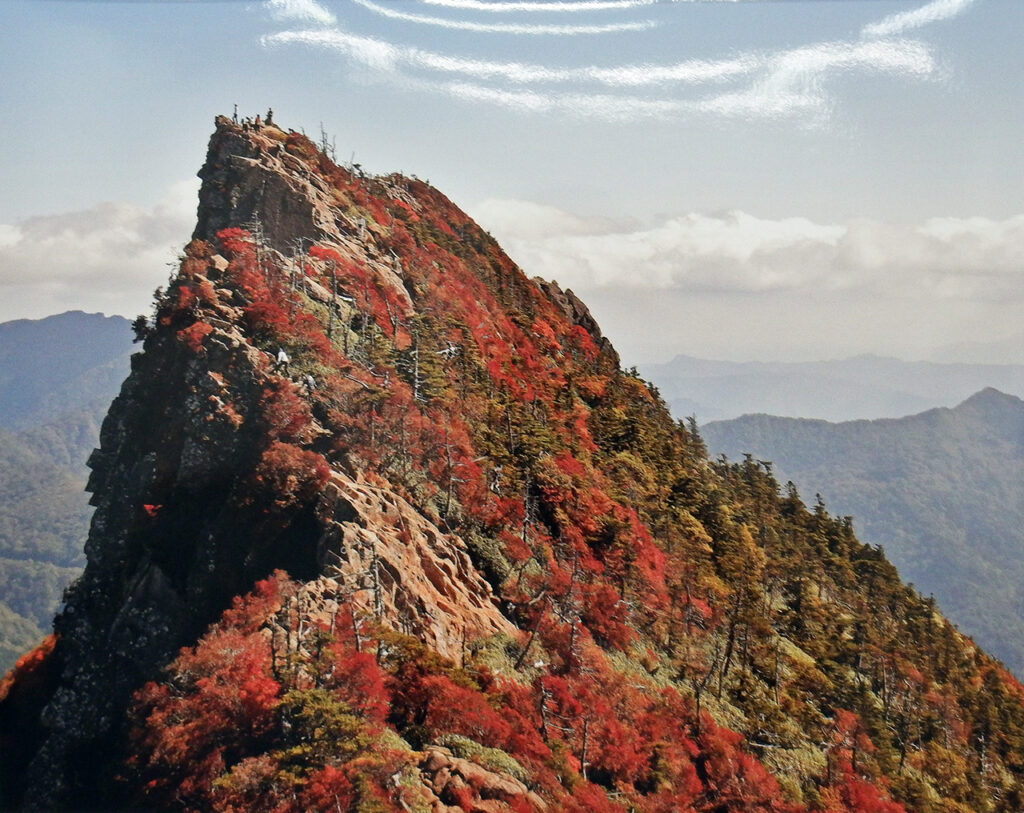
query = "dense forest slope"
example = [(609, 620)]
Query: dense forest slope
[(448, 556), (863, 387), (57, 378), (940, 490)]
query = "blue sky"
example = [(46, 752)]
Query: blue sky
[(768, 179)]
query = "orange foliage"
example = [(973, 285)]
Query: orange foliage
[(29, 667), (193, 335), (289, 475)]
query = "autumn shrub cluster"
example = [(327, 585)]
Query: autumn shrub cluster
[(262, 714)]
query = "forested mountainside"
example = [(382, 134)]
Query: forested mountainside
[(940, 490), (58, 376), (862, 387), (44, 519), (442, 554)]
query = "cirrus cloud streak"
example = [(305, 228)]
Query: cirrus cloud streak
[(934, 12), (785, 82), (768, 85), (384, 55), (503, 28), (560, 6), (307, 11)]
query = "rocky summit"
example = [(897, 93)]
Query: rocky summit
[(380, 524)]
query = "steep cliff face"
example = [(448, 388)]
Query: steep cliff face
[(249, 178), (380, 525)]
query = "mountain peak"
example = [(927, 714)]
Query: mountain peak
[(303, 404), (269, 178), (380, 524), (991, 396)]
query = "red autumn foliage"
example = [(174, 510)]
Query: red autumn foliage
[(235, 243), (605, 615), (405, 210), (272, 315), (588, 798), (735, 780), (601, 551), (221, 705), (379, 301), (853, 794), (29, 669), (358, 681), (193, 335), (285, 414), (327, 789), (186, 298), (584, 342), (546, 337), (287, 475), (455, 709), (514, 441)]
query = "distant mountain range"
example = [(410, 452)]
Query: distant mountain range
[(863, 387), (58, 375), (941, 491)]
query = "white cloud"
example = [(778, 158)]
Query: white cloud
[(933, 12), (696, 71), (384, 55), (792, 82), (109, 257), (503, 28), (304, 11), (565, 6), (973, 258), (585, 105), (784, 83), (562, 6)]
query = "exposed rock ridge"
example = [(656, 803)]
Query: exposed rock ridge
[(140, 596), (577, 312), (397, 563), (378, 412), (248, 178), (489, 791), (177, 533)]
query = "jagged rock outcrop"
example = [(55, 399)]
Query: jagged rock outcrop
[(481, 790), (398, 564), (576, 312), (248, 178), (159, 546)]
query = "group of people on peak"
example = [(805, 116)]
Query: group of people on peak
[(253, 123)]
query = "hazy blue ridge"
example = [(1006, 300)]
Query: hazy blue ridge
[(849, 389), (54, 365)]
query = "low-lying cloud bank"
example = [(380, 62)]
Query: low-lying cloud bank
[(974, 258), (107, 258), (728, 285)]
